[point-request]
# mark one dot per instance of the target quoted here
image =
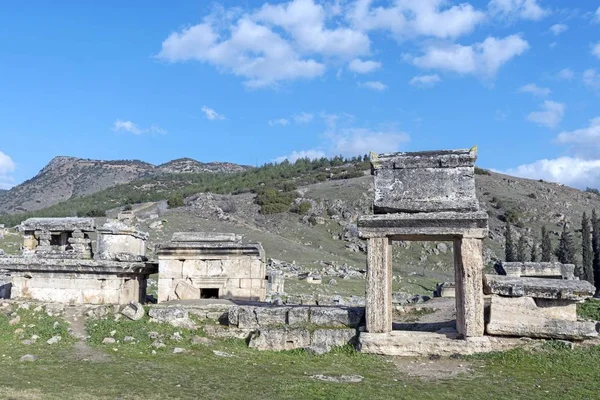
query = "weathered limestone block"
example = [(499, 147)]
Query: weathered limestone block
[(550, 329), (206, 237), (425, 181), (246, 317), (134, 311), (280, 339), (267, 316), (174, 316), (185, 291), (333, 337), (121, 242), (378, 309), (276, 282), (538, 269), (298, 316), (445, 289), (538, 287), (329, 316), (468, 267), (58, 224)]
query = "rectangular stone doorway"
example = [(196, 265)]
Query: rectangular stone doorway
[(209, 293)]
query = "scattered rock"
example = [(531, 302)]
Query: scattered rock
[(177, 317), (15, 320), (332, 282), (157, 344), (128, 339), (176, 337), (54, 340), (28, 358), (153, 335), (339, 379), (108, 340), (178, 350), (134, 311), (222, 354), (202, 341), (97, 312)]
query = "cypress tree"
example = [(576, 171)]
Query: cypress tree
[(534, 252), (546, 246), (587, 267), (566, 248), (522, 249), (509, 247), (596, 248)]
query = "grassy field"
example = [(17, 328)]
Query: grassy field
[(71, 370)]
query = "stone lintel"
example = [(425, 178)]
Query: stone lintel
[(77, 266), (425, 159), (424, 226), (58, 224), (116, 227), (191, 249), (539, 269), (205, 237), (560, 289)]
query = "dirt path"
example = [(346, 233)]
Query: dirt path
[(81, 350)]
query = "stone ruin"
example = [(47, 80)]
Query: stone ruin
[(58, 263), (204, 265)]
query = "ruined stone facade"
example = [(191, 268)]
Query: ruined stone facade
[(424, 196), (58, 265), (197, 265)]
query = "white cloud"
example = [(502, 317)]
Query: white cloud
[(412, 18), (535, 90), (280, 122), (126, 126), (303, 118), (295, 155), (373, 85), (7, 166), (211, 114), (483, 58), (355, 141), (557, 29), (566, 74), (571, 171), (425, 81), (551, 115), (585, 141), (521, 9), (597, 16), (596, 49), (363, 67), (591, 78)]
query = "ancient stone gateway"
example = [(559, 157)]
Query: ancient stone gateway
[(195, 265), (425, 196)]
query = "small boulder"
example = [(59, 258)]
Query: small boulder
[(178, 350), (134, 311), (198, 340), (108, 340), (54, 340), (128, 339), (28, 358), (15, 320), (157, 344)]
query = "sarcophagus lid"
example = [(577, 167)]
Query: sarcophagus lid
[(427, 181)]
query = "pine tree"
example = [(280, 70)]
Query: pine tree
[(587, 268), (596, 248), (546, 246), (509, 249), (522, 249), (534, 252), (566, 248)]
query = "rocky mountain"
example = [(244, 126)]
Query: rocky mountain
[(69, 177), (188, 165)]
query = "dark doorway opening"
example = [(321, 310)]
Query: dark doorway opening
[(209, 293)]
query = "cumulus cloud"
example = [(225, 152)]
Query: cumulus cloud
[(535, 90), (7, 167), (583, 141), (596, 50), (557, 29), (363, 67), (551, 115), (303, 118), (280, 122), (597, 16), (408, 18), (591, 78), (566, 74), (342, 137), (130, 127), (517, 9), (211, 114), (425, 81), (373, 85), (482, 59), (571, 171)]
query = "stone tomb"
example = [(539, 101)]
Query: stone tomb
[(423, 196), (196, 265), (537, 300), (57, 265)]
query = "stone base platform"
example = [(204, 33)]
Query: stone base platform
[(444, 343), (77, 281)]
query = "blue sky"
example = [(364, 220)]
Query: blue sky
[(253, 81)]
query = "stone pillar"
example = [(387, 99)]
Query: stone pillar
[(468, 266), (378, 308)]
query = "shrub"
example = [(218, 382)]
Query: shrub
[(481, 171), (303, 208), (176, 200), (532, 196), (512, 216), (96, 212)]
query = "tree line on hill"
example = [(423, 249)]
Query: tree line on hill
[(566, 251)]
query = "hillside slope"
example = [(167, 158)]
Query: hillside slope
[(65, 178)]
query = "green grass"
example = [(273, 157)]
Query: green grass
[(590, 309), (132, 371)]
